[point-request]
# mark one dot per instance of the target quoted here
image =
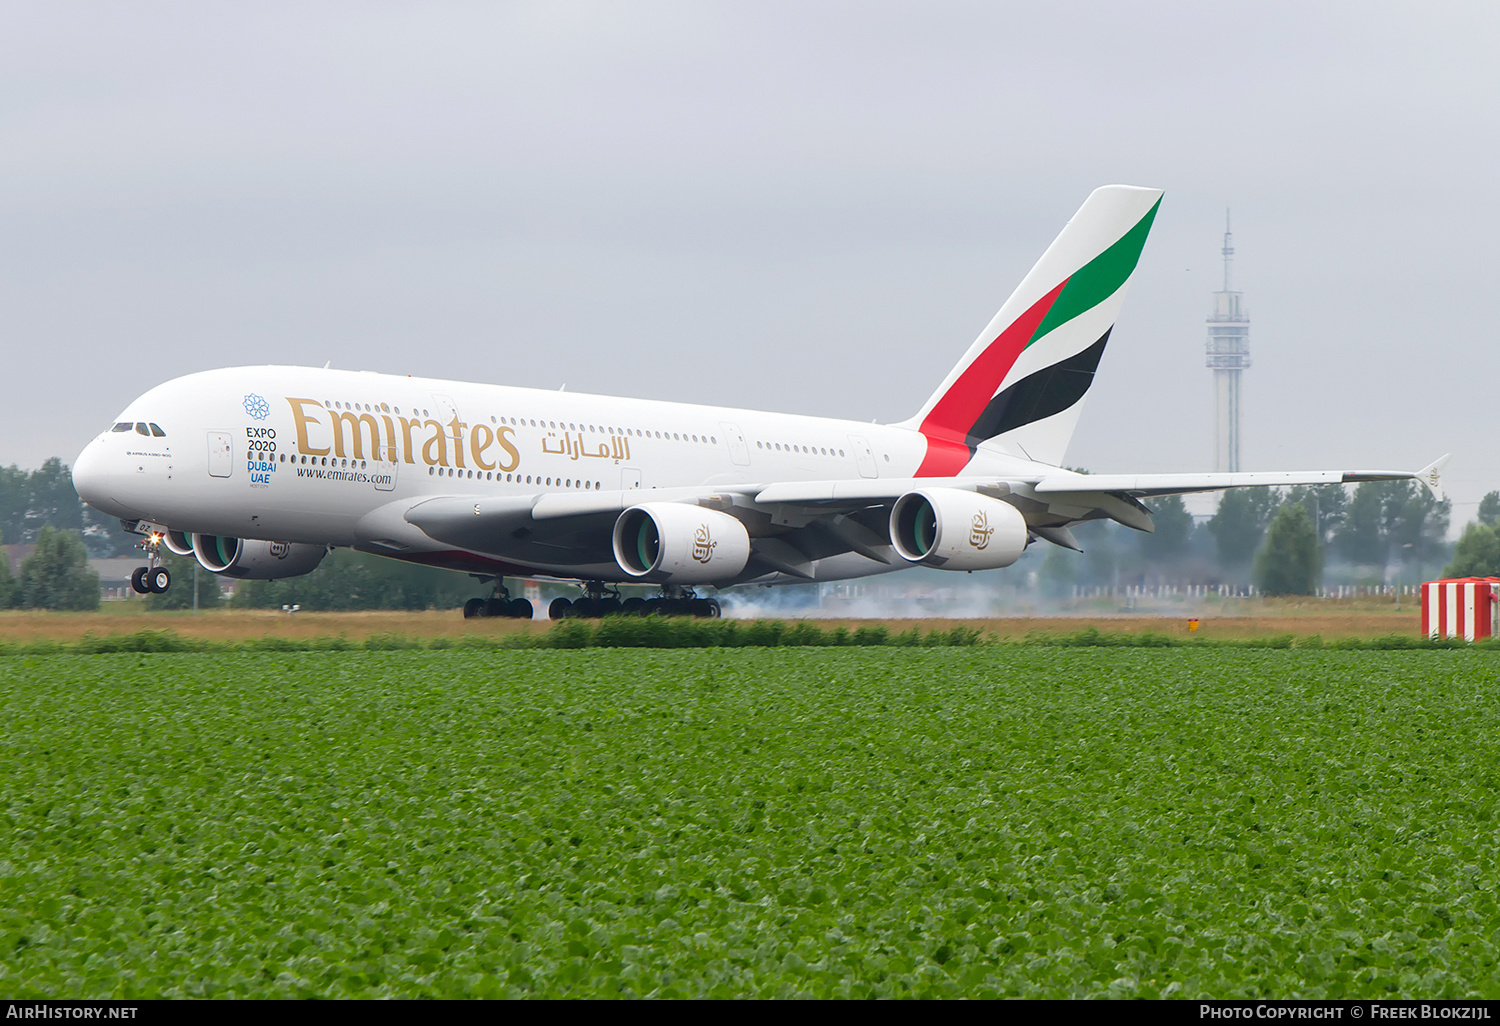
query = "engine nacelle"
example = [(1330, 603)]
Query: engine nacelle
[(178, 542), (668, 541), (956, 530), (256, 560)]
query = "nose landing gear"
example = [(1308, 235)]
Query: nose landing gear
[(153, 578)]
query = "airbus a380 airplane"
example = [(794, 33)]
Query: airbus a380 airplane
[(258, 471)]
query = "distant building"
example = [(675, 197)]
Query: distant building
[(114, 576)]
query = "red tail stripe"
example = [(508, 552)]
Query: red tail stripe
[(945, 457), (965, 399), (948, 423)]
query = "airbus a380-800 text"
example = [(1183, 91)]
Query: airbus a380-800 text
[(258, 471)]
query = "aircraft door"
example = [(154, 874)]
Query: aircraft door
[(220, 454), (447, 415), (384, 475), (739, 449), (864, 457)]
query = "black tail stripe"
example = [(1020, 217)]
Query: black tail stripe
[(1049, 391)]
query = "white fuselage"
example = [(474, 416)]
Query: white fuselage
[(335, 457)]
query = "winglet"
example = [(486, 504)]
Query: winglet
[(1432, 474)]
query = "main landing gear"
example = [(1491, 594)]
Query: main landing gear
[(498, 604), (597, 602), (153, 578)]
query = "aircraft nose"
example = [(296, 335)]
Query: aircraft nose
[(91, 474)]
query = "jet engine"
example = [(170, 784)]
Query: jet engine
[(179, 542), (256, 560), (668, 541), (957, 530)]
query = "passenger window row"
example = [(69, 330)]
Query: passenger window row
[(811, 450), (673, 436), (607, 429), (498, 477), (143, 428)]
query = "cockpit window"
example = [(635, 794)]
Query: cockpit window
[(157, 431), (141, 429), (124, 425)]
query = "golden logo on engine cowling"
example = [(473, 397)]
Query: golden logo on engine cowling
[(703, 544), (980, 531)]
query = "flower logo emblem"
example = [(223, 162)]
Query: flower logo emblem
[(257, 407)]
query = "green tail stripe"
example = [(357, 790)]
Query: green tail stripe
[(1100, 278)]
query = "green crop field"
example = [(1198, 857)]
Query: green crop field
[(984, 821)]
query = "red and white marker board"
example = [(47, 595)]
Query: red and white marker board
[(1466, 607)]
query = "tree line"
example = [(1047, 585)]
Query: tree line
[(33, 500), (1284, 541), (42, 508), (56, 575), (1477, 553)]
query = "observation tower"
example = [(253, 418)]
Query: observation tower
[(1228, 355)]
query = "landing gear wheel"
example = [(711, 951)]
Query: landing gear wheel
[(560, 609), (496, 607), (520, 609), (159, 580), (633, 606), (138, 580), (708, 609), (609, 607), (473, 608)]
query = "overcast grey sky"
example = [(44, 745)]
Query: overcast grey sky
[(807, 207)]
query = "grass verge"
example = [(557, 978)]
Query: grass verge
[(660, 632), (984, 821)]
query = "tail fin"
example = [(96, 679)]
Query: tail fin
[(1023, 380)]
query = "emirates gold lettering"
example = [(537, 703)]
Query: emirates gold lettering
[(458, 440), (304, 421), (512, 458), (364, 436), (355, 422), (980, 531), (440, 439), (409, 450), (477, 446), (703, 544)]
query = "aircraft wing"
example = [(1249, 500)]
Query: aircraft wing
[(1181, 484), (1055, 496), (561, 531), (797, 523)]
